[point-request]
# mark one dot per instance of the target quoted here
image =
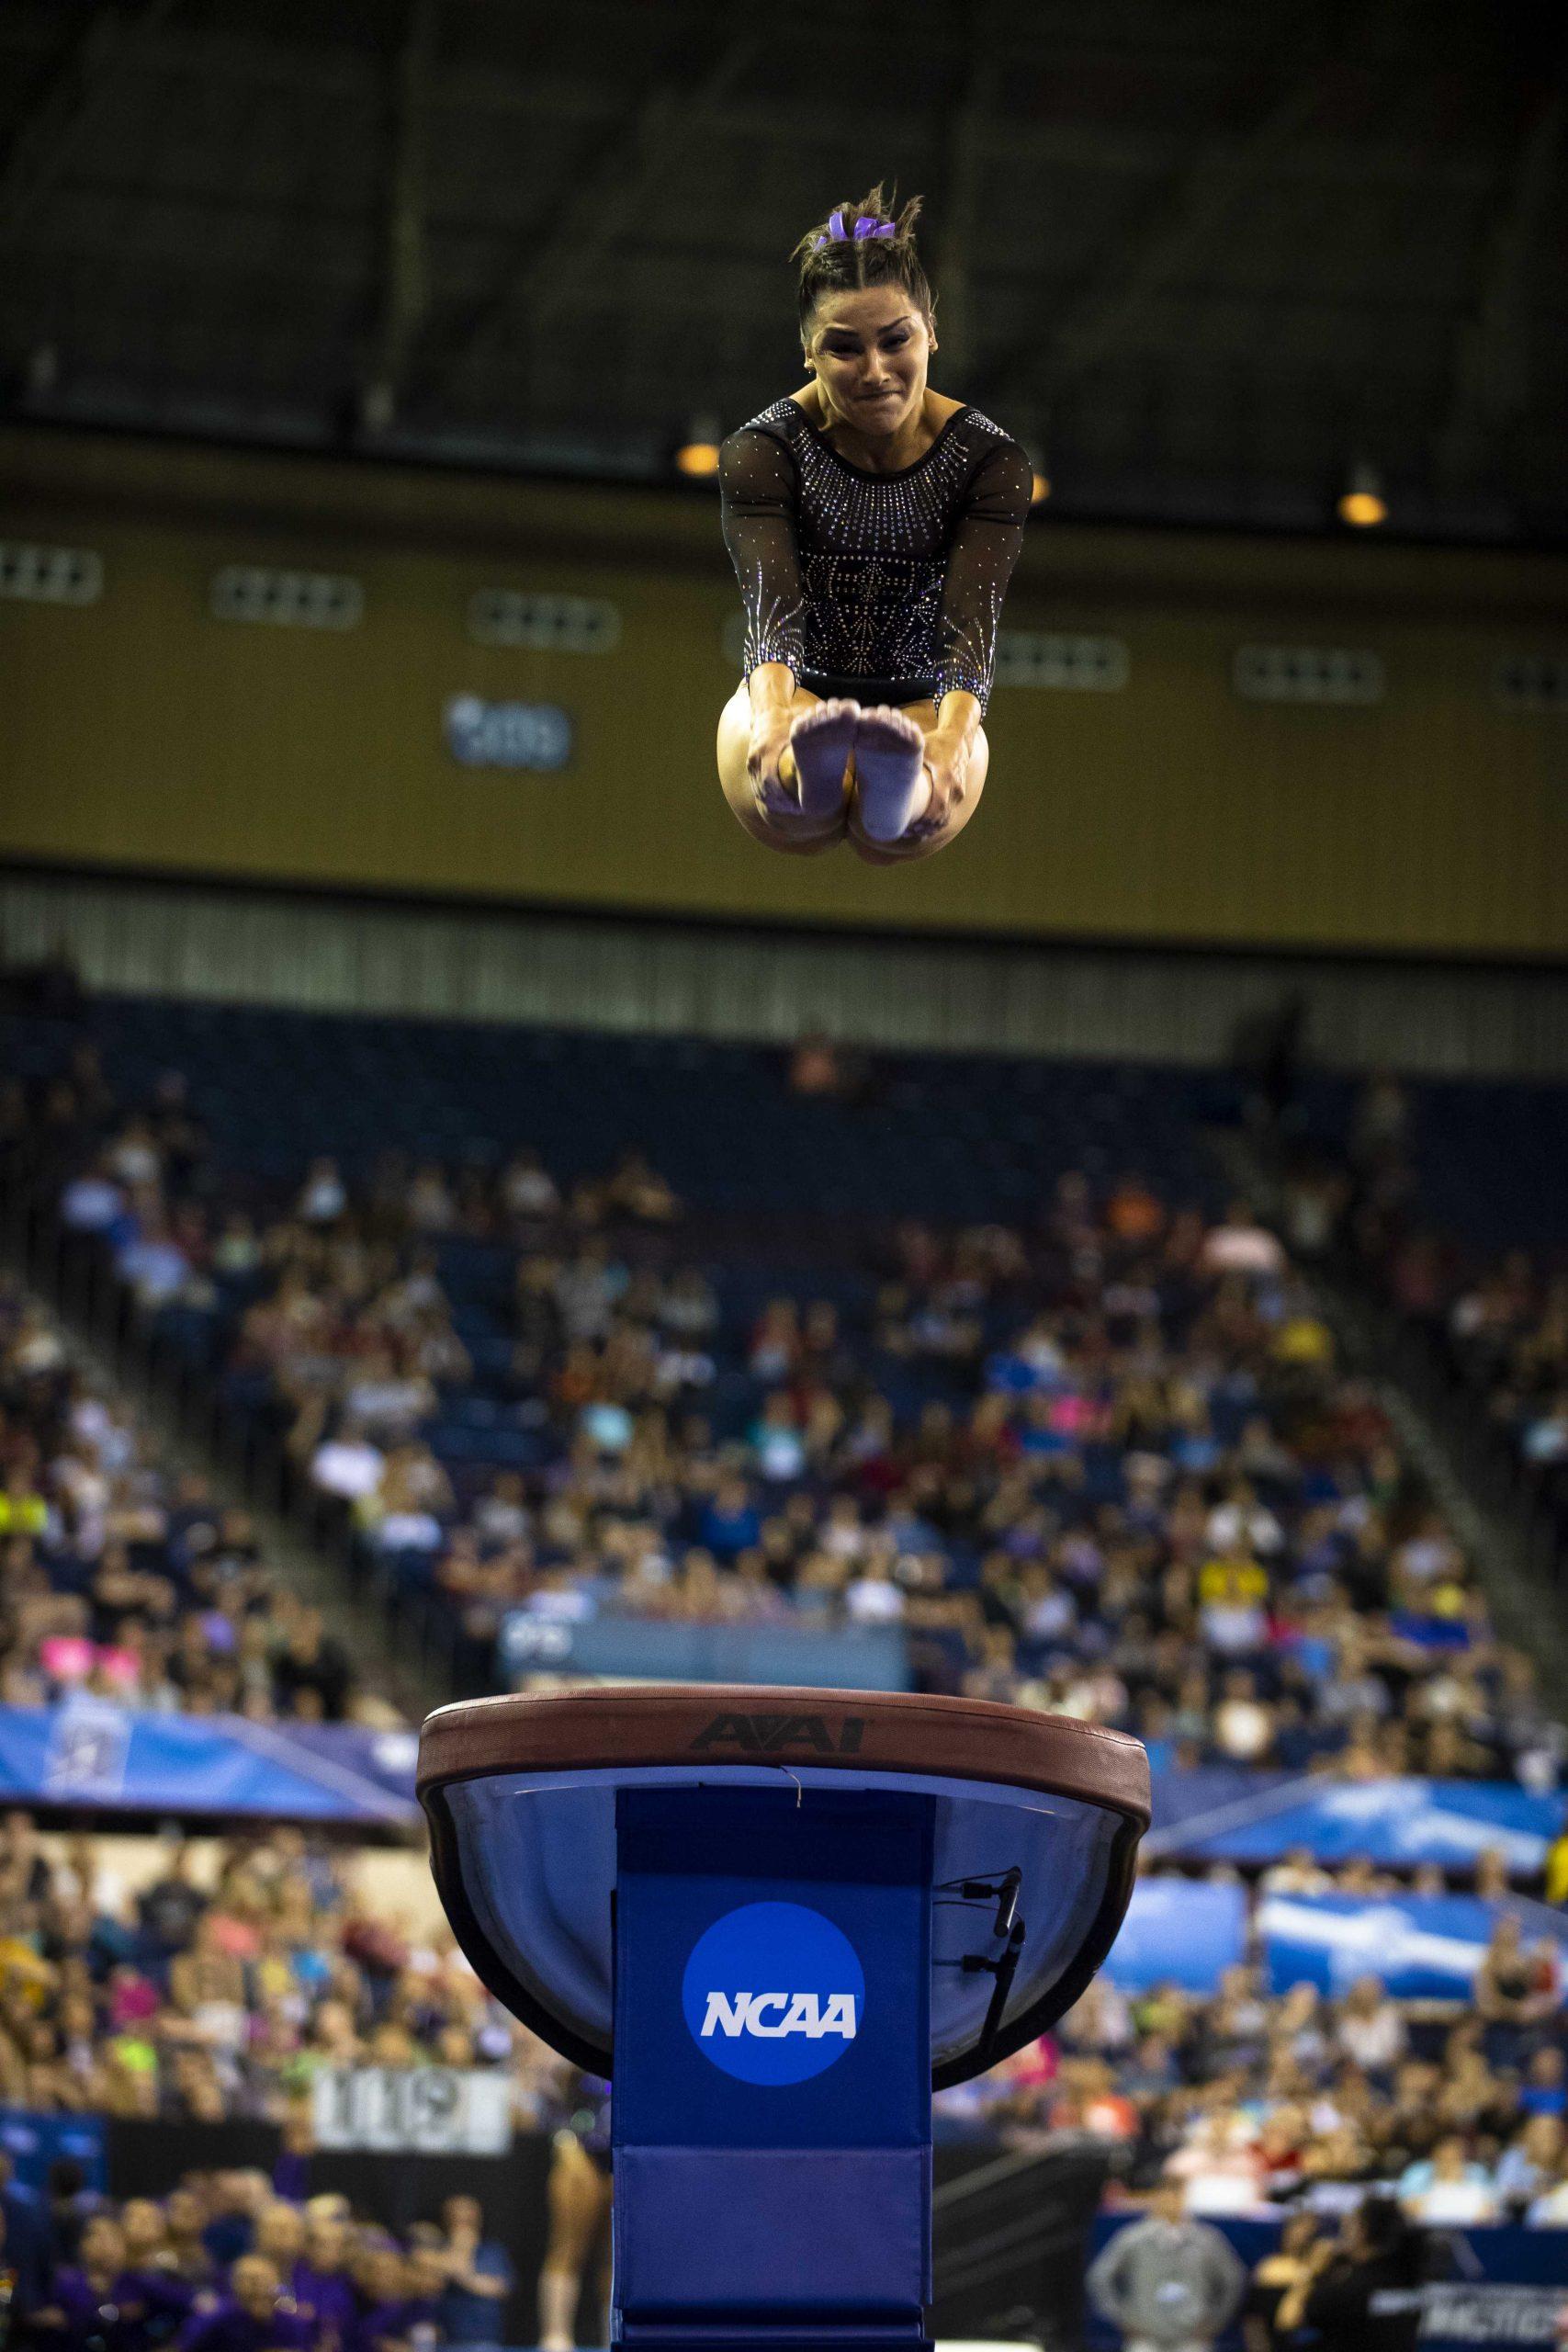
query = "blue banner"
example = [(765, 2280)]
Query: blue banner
[(89, 1752), (1183, 1794), (34, 2143), (385, 1760), (1178, 1931), (1422, 1947), (1395, 1823)]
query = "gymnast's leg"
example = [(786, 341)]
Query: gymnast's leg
[(579, 2195), (891, 748), (801, 806)]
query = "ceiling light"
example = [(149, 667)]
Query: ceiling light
[(699, 453), (1363, 504)]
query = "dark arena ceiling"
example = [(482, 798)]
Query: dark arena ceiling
[(1204, 255)]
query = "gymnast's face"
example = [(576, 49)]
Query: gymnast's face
[(869, 348)]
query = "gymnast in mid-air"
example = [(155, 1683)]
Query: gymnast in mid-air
[(873, 525)]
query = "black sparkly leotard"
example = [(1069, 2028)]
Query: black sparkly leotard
[(885, 587)]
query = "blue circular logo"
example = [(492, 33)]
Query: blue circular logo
[(774, 1993)]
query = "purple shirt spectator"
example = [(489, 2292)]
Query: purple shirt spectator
[(233, 2328), (326, 2301)]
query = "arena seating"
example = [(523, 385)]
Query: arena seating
[(122, 1579), (198, 1989), (1449, 1207), (1093, 1451), (1478, 1157), (1088, 1446), (276, 1089)]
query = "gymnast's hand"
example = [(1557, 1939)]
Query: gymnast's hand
[(769, 741), (947, 763)]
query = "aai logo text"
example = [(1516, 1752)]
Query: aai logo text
[(774, 1993)]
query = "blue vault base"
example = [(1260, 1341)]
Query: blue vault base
[(771, 2110)]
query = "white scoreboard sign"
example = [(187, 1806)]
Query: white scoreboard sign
[(414, 2111)]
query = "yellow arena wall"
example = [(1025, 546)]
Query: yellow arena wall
[(140, 731)]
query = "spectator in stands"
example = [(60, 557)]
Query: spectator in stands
[(1168, 2282), (93, 1202), (279, 2235), (1242, 1245), (321, 2284), (1218, 2166), (149, 2280), (324, 1196), (1529, 2167), (1361, 2292), (1295, 1874), (1447, 2187), (1515, 1991), (1545, 2086), (347, 1464), (1370, 2030), (528, 1193), (1273, 2278), (389, 2315), (1243, 1724), (478, 2277), (170, 1907), (185, 2249), (82, 2303), (310, 1669), (117, 2293), (115, 1578), (637, 1189), (1550, 2210), (256, 2316)]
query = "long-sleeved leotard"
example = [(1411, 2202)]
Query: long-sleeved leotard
[(887, 587)]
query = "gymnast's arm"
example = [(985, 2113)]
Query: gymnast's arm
[(757, 499), (981, 554)]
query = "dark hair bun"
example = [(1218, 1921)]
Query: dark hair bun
[(841, 253)]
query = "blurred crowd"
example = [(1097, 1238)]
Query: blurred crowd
[(224, 2263), (1251, 2099), (1108, 1465), (125, 1580), (1110, 1468), (1509, 1329), (1495, 1321), (206, 1994), (1498, 1327), (217, 1984)]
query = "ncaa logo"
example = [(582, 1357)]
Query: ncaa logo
[(774, 1993)]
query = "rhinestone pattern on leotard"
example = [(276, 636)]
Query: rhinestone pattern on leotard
[(853, 574)]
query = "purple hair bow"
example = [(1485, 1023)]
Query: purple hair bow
[(864, 227)]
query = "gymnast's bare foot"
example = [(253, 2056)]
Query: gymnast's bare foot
[(892, 786), (819, 746)]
